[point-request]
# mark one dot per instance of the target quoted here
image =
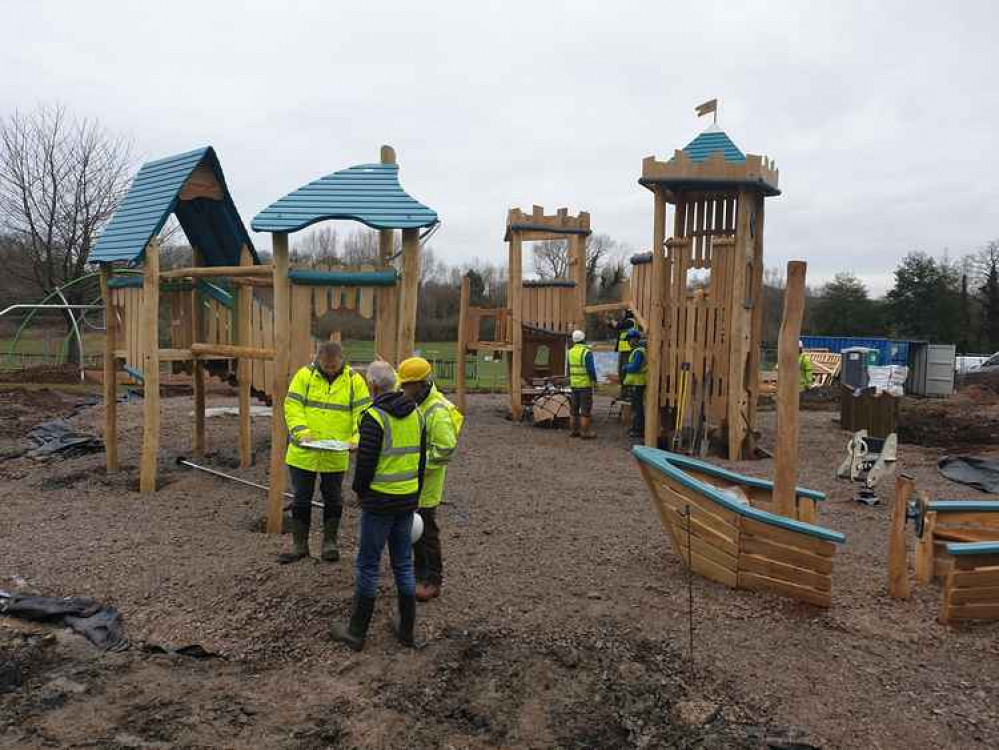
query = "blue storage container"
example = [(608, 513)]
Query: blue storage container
[(890, 351)]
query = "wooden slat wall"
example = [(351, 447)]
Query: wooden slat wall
[(548, 307), (971, 589)]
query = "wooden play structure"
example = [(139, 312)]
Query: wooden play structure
[(538, 313), (957, 543), (735, 537), (742, 531), (698, 291), (231, 316)]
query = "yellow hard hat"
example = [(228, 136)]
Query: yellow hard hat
[(414, 369)]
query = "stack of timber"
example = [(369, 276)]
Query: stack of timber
[(971, 588), (722, 517)]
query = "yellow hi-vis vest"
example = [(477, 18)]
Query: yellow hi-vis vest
[(623, 342), (330, 411), (398, 469), (579, 376), (637, 378), (443, 423)]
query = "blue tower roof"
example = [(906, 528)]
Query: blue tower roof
[(712, 140), (368, 193), (191, 186)]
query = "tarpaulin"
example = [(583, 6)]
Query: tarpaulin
[(980, 473)]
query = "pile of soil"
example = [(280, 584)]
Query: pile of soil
[(65, 373), (21, 409), (967, 420)]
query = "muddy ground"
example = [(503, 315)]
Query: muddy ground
[(564, 620)]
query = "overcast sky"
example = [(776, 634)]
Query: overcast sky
[(880, 115)]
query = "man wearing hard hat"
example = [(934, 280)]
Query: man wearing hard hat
[(634, 381), (324, 402), (443, 423), (582, 378)]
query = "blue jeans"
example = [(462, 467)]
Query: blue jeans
[(376, 530)]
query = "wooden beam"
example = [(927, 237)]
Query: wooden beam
[(462, 352), (110, 374), (654, 327), (577, 248), (253, 281), (786, 458), (898, 561), (233, 351), (150, 369), (244, 366), (607, 307), (386, 300), (201, 272), (410, 287), (515, 292), (738, 328), (279, 385)]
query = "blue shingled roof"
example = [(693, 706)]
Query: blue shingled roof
[(212, 226), (711, 140), (368, 193)]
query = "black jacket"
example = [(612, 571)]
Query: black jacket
[(369, 448)]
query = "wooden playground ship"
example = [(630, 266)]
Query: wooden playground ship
[(233, 316)]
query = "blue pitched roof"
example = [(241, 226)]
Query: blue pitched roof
[(213, 226), (368, 193), (711, 140)]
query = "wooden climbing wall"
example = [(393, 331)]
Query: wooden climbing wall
[(549, 306)]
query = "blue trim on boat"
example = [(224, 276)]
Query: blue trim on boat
[(972, 548), (662, 461), (964, 506), (718, 471)]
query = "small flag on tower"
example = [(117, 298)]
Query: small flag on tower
[(707, 108)]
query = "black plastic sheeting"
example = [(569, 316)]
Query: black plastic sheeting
[(99, 624), (980, 473), (59, 438)]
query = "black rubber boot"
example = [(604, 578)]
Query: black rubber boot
[(354, 633), (299, 541), (331, 528), (405, 624)]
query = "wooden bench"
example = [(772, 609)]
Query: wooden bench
[(971, 587), (952, 521)]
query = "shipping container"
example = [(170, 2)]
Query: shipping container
[(890, 351)]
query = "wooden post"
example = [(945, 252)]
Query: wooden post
[(898, 561), (653, 387), (739, 328), (279, 386), (197, 368), (150, 369), (514, 296), (462, 352), (244, 366), (756, 320), (386, 324), (577, 250), (110, 373), (925, 562), (409, 290), (785, 477)]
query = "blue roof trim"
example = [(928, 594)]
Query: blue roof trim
[(662, 461), (712, 141), (972, 548), (368, 193), (963, 506), (214, 227), (307, 277)]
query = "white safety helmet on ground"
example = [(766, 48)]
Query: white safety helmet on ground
[(578, 336)]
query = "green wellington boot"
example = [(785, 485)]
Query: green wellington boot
[(331, 528), (353, 633), (299, 541)]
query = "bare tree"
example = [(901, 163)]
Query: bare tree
[(320, 246), (551, 257), (60, 181)]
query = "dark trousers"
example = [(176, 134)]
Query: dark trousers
[(303, 483), (378, 530), (622, 360), (637, 396), (427, 551)]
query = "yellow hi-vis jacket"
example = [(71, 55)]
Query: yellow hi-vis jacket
[(623, 342), (398, 468), (328, 410), (443, 423), (579, 376)]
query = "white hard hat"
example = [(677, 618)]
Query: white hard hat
[(417, 528), (578, 336)]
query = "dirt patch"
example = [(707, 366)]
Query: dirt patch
[(967, 420), (66, 373), (563, 621)]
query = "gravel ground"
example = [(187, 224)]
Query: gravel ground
[(563, 621)]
